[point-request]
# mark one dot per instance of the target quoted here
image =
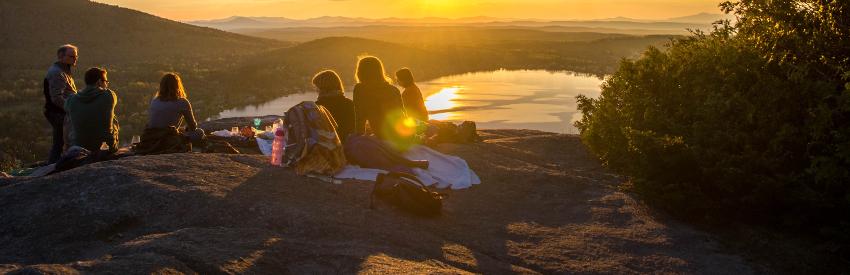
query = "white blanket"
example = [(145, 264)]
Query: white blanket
[(444, 171)]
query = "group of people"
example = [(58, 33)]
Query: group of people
[(375, 102), (86, 118)]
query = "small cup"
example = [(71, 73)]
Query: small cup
[(234, 131), (135, 140)]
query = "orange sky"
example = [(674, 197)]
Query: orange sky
[(542, 9)]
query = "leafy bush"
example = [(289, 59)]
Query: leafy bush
[(750, 121)]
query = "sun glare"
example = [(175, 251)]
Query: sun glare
[(439, 6), (445, 99)]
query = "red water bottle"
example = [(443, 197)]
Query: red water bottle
[(278, 147)]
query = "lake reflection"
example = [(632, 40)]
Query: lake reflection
[(505, 99), (533, 99)]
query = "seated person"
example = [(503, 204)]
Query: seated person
[(92, 113), (332, 97), (414, 105), (378, 103), (170, 108)]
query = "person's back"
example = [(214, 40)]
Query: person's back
[(414, 104), (379, 104), (332, 96), (169, 109), (92, 113), (170, 113), (342, 110)]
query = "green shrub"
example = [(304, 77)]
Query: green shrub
[(742, 122)]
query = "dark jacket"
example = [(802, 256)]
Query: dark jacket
[(414, 105), (92, 114), (342, 110), (380, 104)]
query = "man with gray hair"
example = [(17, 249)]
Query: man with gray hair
[(58, 86)]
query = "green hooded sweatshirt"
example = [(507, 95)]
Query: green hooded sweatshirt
[(92, 113)]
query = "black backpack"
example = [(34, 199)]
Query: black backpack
[(408, 193)]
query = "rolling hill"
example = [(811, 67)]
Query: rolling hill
[(32, 30)]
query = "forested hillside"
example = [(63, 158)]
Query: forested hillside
[(106, 34)]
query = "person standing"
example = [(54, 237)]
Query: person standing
[(58, 86), (414, 105), (92, 113)]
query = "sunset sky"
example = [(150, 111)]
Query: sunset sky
[(540, 9)]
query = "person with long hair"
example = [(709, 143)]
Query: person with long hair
[(332, 96), (171, 107), (414, 105), (379, 103)]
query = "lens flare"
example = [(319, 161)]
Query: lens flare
[(406, 127), (410, 122)]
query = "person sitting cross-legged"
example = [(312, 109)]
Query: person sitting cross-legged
[(169, 109)]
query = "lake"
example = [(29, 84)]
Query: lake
[(503, 99)]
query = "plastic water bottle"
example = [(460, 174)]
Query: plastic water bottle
[(278, 146)]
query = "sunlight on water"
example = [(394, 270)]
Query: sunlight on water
[(442, 100), (525, 99)]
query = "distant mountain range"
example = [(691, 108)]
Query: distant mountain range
[(242, 22), (673, 25)]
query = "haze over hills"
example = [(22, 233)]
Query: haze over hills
[(702, 18), (431, 36), (671, 26), (239, 22)]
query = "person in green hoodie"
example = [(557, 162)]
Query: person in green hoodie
[(92, 113)]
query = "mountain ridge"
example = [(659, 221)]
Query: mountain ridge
[(238, 22)]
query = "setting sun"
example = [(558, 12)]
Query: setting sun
[(540, 9)]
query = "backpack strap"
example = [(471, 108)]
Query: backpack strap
[(378, 181), (418, 182), (409, 177)]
